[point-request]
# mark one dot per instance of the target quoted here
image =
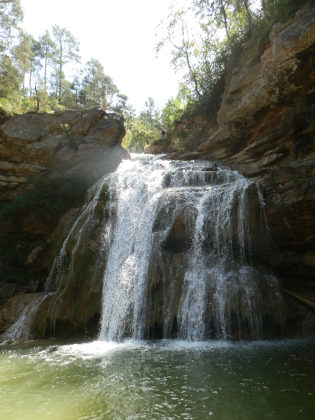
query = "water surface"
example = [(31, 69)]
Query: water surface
[(158, 380)]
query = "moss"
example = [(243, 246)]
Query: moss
[(41, 208), (14, 251), (48, 196), (228, 100)]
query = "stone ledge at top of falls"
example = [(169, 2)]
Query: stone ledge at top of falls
[(84, 142)]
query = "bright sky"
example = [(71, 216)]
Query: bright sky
[(120, 34)]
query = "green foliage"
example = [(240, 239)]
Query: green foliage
[(143, 130), (66, 50), (32, 72), (229, 33), (97, 88), (139, 135), (10, 16), (171, 113), (273, 11), (10, 98)]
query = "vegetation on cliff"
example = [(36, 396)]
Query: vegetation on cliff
[(209, 40)]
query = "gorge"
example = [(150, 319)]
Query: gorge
[(172, 244), (173, 284), (264, 129)]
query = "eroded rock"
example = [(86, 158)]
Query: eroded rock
[(47, 163)]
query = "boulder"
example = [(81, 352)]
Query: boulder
[(74, 142)]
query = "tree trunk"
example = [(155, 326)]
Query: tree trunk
[(59, 83), (45, 70), (249, 16), (191, 71), (23, 85), (225, 20), (30, 84), (60, 73), (193, 76), (37, 99)]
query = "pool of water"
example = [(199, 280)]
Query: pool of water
[(158, 380)]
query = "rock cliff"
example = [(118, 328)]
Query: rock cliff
[(47, 164), (84, 143), (265, 128)]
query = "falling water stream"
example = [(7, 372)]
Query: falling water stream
[(152, 202), (180, 284)]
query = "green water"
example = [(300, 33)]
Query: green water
[(158, 380)]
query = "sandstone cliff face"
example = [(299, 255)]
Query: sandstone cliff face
[(85, 142), (47, 163), (266, 128)]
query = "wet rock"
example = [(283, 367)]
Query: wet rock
[(179, 238), (47, 164), (13, 308), (265, 129)]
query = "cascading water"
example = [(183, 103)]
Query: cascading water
[(175, 245), (178, 240), (60, 275)]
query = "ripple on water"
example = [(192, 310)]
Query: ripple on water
[(158, 380)]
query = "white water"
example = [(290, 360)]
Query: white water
[(220, 292), (200, 286)]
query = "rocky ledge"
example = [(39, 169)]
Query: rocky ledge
[(84, 142), (47, 164), (265, 128)]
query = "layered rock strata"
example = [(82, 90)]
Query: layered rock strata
[(265, 128), (47, 163), (85, 143)]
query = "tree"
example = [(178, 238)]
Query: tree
[(144, 129), (139, 135), (174, 109), (35, 62), (47, 49), (98, 88), (10, 77), (150, 115), (67, 48), (239, 6), (216, 10), (121, 106), (9, 85), (75, 88), (10, 16), (185, 49)]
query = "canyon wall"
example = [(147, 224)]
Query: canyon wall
[(47, 164), (265, 128)]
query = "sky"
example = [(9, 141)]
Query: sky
[(120, 34)]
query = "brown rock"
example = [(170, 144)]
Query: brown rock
[(265, 129), (84, 142), (44, 159)]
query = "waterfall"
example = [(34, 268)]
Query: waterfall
[(179, 253), (174, 251)]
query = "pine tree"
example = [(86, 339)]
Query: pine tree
[(67, 48)]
